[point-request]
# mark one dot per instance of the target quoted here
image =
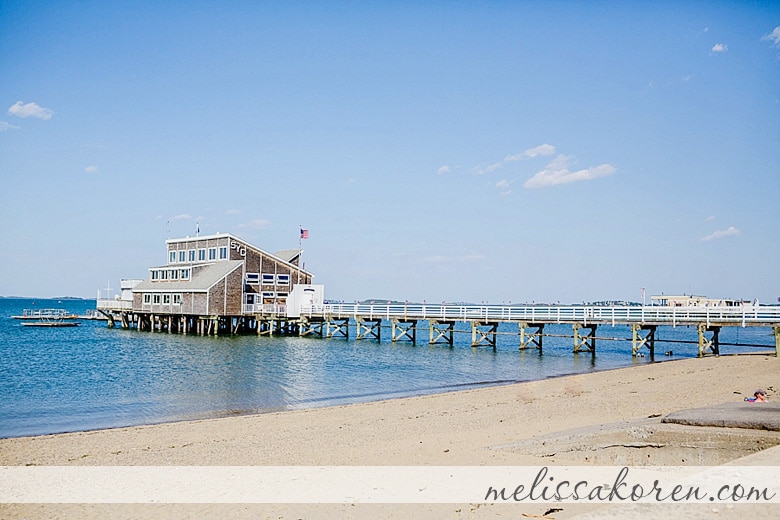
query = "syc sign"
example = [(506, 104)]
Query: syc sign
[(238, 247)]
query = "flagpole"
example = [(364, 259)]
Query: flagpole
[(300, 247)]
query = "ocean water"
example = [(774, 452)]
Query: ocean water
[(90, 377)]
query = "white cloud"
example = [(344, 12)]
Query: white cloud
[(30, 110), (557, 172), (91, 169), (444, 169), (7, 126), (773, 37), (181, 216), (720, 47), (504, 186), (233, 211), (710, 218), (255, 224), (723, 233), (545, 149)]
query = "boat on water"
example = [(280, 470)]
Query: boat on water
[(45, 314)]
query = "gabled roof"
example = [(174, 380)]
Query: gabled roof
[(200, 282), (288, 255)]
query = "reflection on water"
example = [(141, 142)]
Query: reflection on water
[(87, 377)]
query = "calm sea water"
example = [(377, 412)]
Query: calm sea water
[(89, 377)]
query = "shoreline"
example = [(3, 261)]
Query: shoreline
[(473, 427)]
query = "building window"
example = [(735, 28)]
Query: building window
[(223, 252), (182, 256), (281, 295), (192, 255), (268, 294), (283, 279), (212, 253), (174, 274), (185, 274), (166, 299), (163, 274), (171, 257), (268, 279), (253, 278), (156, 299), (147, 298), (201, 255), (177, 299), (155, 274)]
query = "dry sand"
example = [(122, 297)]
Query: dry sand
[(491, 426)]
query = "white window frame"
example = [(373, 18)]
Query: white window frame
[(268, 279), (182, 256), (212, 253), (185, 274), (154, 274), (191, 255), (155, 299), (147, 298), (282, 279), (176, 299), (252, 278), (223, 253), (201, 255), (173, 274), (163, 274), (166, 299), (171, 257)]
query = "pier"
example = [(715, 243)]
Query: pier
[(443, 321)]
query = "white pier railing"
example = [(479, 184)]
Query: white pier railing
[(745, 315)]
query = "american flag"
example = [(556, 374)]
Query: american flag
[(304, 233)]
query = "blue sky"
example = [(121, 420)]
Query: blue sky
[(458, 151)]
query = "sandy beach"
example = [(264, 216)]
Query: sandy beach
[(484, 427)]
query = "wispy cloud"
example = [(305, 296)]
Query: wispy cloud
[(255, 224), (91, 169), (233, 211), (7, 126), (558, 172), (720, 47), (723, 233), (544, 149), (443, 170), (19, 109), (504, 185), (710, 218), (773, 37), (181, 216)]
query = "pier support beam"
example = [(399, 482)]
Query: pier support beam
[(776, 330), (370, 328), (713, 344), (441, 332), (638, 340), (337, 327), (532, 338), (587, 342), (308, 328), (404, 329), (483, 334)]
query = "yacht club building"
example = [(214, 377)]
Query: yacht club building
[(218, 278)]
